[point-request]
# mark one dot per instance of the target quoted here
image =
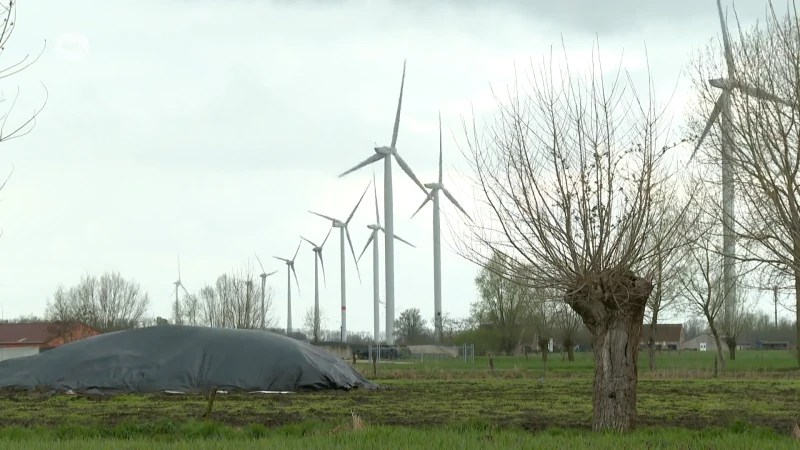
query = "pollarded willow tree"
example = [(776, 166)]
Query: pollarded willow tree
[(764, 137), (566, 174)]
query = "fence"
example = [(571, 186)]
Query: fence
[(422, 353)]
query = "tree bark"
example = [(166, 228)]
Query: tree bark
[(612, 308), (543, 346), (717, 339), (731, 347), (651, 341), (797, 302), (570, 350)]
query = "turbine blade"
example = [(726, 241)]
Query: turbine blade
[(761, 94), (403, 240), (408, 172), (295, 279), (185, 291), (259, 263), (271, 273), (440, 147), (297, 251), (726, 41), (427, 199), (282, 259), (371, 236), (349, 241), (326, 237), (324, 216), (350, 217), (312, 244), (375, 190), (366, 162), (399, 106), (454, 201), (712, 118), (179, 267), (321, 263)]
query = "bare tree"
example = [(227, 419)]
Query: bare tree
[(234, 301), (567, 323), (108, 303), (702, 280), (313, 325), (669, 264), (542, 311), (763, 137), (410, 326), (566, 174), (740, 322), (503, 303)]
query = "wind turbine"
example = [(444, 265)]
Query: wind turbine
[(722, 111), (318, 262), (264, 276), (179, 283), (343, 230), (373, 239), (289, 271), (386, 153), (437, 249)]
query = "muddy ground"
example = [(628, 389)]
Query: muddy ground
[(523, 403)]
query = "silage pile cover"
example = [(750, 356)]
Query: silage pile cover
[(184, 359)]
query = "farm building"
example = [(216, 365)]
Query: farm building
[(26, 339), (338, 349), (704, 342), (772, 345), (669, 336)]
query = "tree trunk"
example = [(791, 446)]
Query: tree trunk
[(612, 308), (720, 352), (797, 303), (570, 350), (651, 341), (543, 346), (731, 347)]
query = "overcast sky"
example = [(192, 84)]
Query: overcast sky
[(208, 128)]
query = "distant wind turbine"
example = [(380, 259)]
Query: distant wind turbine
[(437, 249), (318, 262), (264, 276), (373, 239), (343, 230), (179, 283), (289, 271), (386, 153), (722, 111)]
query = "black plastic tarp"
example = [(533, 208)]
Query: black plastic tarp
[(184, 359)]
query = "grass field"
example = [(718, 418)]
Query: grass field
[(440, 404)]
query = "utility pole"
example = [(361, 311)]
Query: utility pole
[(775, 298)]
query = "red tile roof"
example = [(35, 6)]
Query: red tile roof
[(28, 333), (665, 332)]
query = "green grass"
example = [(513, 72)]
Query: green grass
[(687, 364), (439, 404), (214, 436)]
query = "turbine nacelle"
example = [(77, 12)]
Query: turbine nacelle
[(433, 186), (384, 150), (721, 83), (374, 227)]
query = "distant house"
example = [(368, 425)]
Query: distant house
[(26, 339), (704, 342), (772, 345), (669, 336)]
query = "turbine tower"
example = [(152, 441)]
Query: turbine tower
[(289, 271), (264, 276), (437, 249), (343, 230), (177, 307), (722, 111), (318, 262), (373, 239), (386, 153)]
